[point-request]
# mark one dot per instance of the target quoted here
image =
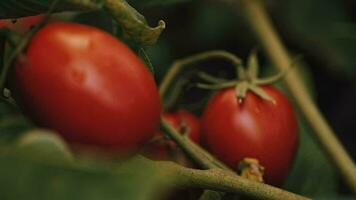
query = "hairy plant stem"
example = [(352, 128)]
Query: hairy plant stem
[(223, 181), (261, 25), (199, 155), (179, 64)]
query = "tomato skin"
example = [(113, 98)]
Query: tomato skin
[(21, 25), (185, 118), (88, 86), (166, 149), (255, 128)]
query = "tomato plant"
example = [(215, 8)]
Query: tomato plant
[(256, 128), (88, 86), (164, 149), (90, 89)]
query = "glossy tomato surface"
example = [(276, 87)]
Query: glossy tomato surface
[(22, 24), (254, 128), (88, 86), (163, 149)]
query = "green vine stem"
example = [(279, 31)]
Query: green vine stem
[(261, 25), (222, 180), (179, 64), (199, 155)]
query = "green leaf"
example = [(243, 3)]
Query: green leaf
[(43, 145), (12, 123), (313, 174), (29, 179), (134, 26)]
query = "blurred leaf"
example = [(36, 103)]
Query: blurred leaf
[(29, 179), (326, 29), (12, 122), (134, 25), (313, 174), (44, 145)]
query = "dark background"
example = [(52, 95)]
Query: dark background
[(323, 32)]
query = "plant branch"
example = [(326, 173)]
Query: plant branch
[(178, 65), (199, 155), (261, 25), (224, 181)]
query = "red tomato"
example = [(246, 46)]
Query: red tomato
[(88, 86), (162, 149), (21, 25), (185, 121), (255, 128)]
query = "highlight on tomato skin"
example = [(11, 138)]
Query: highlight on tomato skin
[(88, 86), (21, 25), (255, 128)]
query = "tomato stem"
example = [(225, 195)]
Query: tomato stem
[(178, 65), (199, 155), (256, 16)]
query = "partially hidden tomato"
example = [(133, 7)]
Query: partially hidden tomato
[(21, 25), (255, 128), (165, 149), (88, 86)]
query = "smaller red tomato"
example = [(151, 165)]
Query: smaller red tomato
[(255, 128), (21, 25), (163, 149)]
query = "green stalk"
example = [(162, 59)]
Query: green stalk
[(179, 64), (199, 155), (261, 25), (224, 181)]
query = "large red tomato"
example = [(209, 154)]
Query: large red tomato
[(162, 149), (88, 86), (21, 25), (254, 128)]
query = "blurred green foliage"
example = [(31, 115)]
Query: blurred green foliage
[(22, 178)]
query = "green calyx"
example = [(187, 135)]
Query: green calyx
[(247, 80)]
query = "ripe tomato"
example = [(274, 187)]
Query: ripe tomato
[(21, 25), (88, 86), (254, 128), (163, 149)]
